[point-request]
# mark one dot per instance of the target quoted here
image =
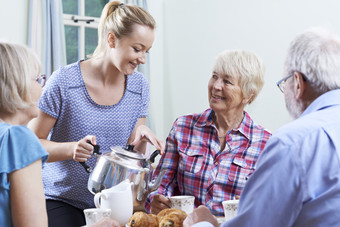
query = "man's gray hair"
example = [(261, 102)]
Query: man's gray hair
[(316, 54)]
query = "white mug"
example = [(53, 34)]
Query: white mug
[(94, 215), (118, 199), (230, 208), (183, 202)]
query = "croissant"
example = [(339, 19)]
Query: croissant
[(169, 217), (141, 219)]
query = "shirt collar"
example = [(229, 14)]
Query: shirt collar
[(330, 98), (206, 119)]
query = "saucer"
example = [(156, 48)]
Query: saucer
[(220, 220)]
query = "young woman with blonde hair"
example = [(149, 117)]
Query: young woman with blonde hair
[(101, 100)]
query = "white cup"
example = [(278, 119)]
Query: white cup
[(183, 202), (94, 215), (230, 208), (119, 200)]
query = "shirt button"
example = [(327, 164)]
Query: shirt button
[(216, 163)]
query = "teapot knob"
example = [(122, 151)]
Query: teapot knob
[(129, 147)]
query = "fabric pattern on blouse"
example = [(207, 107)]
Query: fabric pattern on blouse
[(19, 147), (195, 165), (65, 98)]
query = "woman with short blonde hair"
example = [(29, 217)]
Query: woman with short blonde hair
[(22, 200), (16, 79), (211, 155)]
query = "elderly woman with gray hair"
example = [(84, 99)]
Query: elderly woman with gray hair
[(212, 154)]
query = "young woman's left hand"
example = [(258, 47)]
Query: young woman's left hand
[(144, 134)]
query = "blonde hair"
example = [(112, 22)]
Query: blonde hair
[(18, 65), (119, 18), (245, 65)]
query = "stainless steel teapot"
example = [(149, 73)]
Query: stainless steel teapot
[(125, 163)]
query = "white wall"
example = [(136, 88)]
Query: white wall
[(193, 32), (157, 104), (14, 20), (190, 33)]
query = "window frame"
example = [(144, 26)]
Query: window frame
[(81, 21)]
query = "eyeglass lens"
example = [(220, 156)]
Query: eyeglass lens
[(41, 80)]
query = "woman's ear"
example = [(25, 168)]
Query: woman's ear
[(246, 100), (111, 40)]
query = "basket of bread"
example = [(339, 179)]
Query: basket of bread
[(169, 217)]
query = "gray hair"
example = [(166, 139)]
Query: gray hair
[(18, 66), (316, 54), (247, 66)]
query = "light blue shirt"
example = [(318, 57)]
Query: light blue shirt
[(19, 147), (297, 180)]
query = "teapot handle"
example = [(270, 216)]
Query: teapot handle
[(153, 155), (96, 151)]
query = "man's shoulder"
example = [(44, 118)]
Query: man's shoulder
[(308, 126)]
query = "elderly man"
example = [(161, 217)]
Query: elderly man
[(297, 180)]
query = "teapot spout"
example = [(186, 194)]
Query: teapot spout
[(152, 186)]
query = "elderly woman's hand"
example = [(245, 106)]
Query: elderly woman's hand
[(144, 134), (159, 202)]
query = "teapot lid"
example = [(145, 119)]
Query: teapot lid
[(127, 151)]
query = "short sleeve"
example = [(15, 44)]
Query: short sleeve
[(145, 97), (51, 97), (19, 148)]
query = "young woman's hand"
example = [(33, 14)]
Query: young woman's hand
[(144, 134), (84, 148)]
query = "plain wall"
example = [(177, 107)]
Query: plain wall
[(194, 32), (14, 21)]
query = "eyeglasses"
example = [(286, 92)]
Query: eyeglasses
[(41, 80), (281, 83)]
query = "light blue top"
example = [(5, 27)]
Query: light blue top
[(297, 181), (19, 147), (65, 98)]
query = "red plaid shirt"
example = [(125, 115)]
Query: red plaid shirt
[(197, 167)]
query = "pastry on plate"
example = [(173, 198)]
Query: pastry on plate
[(171, 217), (142, 219)]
